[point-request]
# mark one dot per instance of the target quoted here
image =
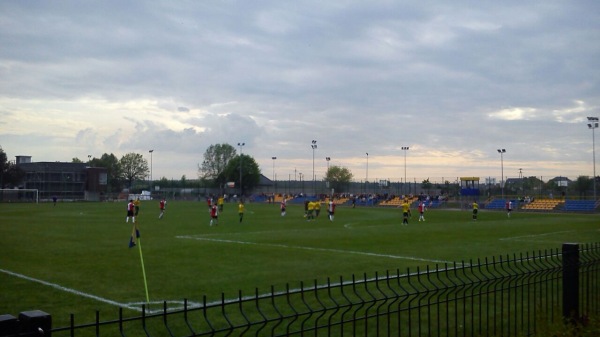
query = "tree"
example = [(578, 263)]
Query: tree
[(426, 185), (216, 159), (250, 172), (338, 177), (133, 167), (10, 174), (583, 184), (113, 170), (183, 181), (3, 166), (76, 160)]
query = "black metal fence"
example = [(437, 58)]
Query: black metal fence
[(500, 296)]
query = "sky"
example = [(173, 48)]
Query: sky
[(454, 81)]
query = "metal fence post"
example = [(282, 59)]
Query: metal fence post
[(570, 253)]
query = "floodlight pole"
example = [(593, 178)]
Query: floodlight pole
[(367, 177), (593, 124), (314, 147), (502, 152), (404, 148), (151, 151), (327, 174), (521, 179), (241, 188), (273, 173)]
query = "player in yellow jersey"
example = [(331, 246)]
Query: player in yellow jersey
[(241, 209), (136, 204), (475, 209), (220, 202), (317, 208), (311, 211), (405, 212)]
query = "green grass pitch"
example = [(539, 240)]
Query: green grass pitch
[(74, 257)]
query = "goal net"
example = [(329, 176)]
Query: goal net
[(19, 195)]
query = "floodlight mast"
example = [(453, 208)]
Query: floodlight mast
[(367, 176), (151, 151), (502, 152), (405, 148), (241, 145), (314, 147), (593, 125), (273, 173)]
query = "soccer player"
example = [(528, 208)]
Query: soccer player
[(331, 209), (508, 208), (317, 208), (282, 206), (214, 215), (311, 211), (220, 203), (130, 210), (241, 209), (136, 204), (162, 205), (405, 212), (306, 208), (422, 210), (475, 209)]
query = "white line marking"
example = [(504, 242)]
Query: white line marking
[(312, 249), (533, 236), (136, 306), (68, 290)]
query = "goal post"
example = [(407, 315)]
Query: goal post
[(8, 195)]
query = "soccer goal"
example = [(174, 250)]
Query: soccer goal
[(19, 195)]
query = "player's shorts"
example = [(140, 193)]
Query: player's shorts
[(129, 213), (474, 211)]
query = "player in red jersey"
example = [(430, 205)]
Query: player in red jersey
[(162, 205), (422, 209), (331, 210), (214, 215)]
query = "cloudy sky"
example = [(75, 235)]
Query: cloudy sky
[(452, 80)]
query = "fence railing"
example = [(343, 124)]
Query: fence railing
[(500, 296)]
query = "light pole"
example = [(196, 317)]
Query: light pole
[(241, 188), (593, 124), (151, 151), (314, 147), (521, 180), (404, 148), (273, 173), (367, 176), (327, 174), (502, 152)]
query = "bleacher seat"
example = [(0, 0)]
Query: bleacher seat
[(580, 205), (543, 204)]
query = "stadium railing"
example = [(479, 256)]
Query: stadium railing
[(499, 296)]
